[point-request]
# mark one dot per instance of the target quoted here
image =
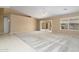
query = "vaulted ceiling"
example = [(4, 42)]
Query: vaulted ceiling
[(46, 11)]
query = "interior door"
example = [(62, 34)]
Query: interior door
[(45, 25), (6, 24)]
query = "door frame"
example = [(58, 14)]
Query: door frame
[(8, 25), (46, 30)]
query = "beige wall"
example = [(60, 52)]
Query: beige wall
[(22, 24), (38, 25), (56, 24), (1, 24), (1, 20), (19, 22)]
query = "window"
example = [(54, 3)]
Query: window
[(71, 23), (74, 26), (64, 26)]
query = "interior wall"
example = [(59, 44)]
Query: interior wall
[(56, 24), (38, 25), (1, 20), (1, 24), (22, 24), (19, 22)]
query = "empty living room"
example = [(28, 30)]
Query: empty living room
[(39, 29)]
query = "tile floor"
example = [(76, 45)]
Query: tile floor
[(11, 43), (39, 42)]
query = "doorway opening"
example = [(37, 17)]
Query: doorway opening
[(45, 25), (6, 24)]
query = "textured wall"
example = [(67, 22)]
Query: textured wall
[(1, 24), (22, 24), (56, 24), (19, 21), (1, 20)]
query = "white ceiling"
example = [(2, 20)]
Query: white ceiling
[(46, 11)]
